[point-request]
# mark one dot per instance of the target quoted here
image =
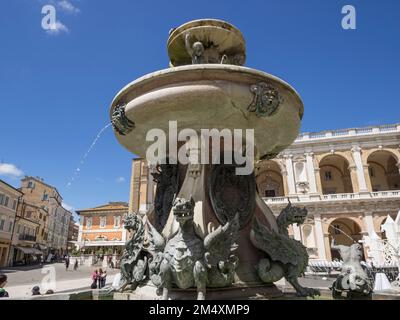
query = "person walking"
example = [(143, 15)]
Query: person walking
[(66, 263), (100, 277), (76, 264), (103, 279), (95, 276), (3, 281)]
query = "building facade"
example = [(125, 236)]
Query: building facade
[(101, 229), (25, 248), (73, 233), (40, 194), (9, 200), (349, 181)]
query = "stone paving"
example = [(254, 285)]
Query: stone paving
[(53, 276), (22, 279)]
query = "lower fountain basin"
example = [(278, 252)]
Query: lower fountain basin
[(208, 96)]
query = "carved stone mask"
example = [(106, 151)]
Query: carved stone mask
[(183, 209)]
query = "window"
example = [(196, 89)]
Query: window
[(88, 223), (29, 214), (117, 221), (328, 175), (6, 201), (40, 215), (10, 225), (103, 221), (31, 185), (1, 198), (2, 221), (45, 197), (18, 229), (270, 193), (14, 204)]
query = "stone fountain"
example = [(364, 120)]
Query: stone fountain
[(210, 231)]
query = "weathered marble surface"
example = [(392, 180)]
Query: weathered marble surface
[(204, 97)]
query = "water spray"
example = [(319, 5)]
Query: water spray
[(83, 159)]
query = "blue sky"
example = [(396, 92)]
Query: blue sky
[(55, 89)]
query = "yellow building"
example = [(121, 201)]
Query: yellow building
[(24, 249), (101, 228), (38, 215), (55, 231), (9, 199)]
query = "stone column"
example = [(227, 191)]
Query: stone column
[(320, 237), (327, 247), (367, 177), (318, 180), (311, 172), (134, 197), (284, 174), (368, 223), (359, 169), (124, 233), (296, 232), (290, 175), (150, 189)]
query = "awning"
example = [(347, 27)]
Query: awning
[(42, 247), (30, 250)]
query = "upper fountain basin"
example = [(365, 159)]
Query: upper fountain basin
[(208, 96)]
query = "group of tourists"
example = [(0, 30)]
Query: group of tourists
[(99, 278), (36, 291), (4, 294)]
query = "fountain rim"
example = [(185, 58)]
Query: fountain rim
[(202, 22), (118, 98)]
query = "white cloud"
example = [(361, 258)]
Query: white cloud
[(68, 7), (58, 28), (120, 180), (9, 169), (67, 206)]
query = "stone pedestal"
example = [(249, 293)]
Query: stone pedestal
[(236, 292), (219, 194)]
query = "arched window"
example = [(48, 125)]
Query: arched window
[(269, 180), (335, 175), (383, 171)]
